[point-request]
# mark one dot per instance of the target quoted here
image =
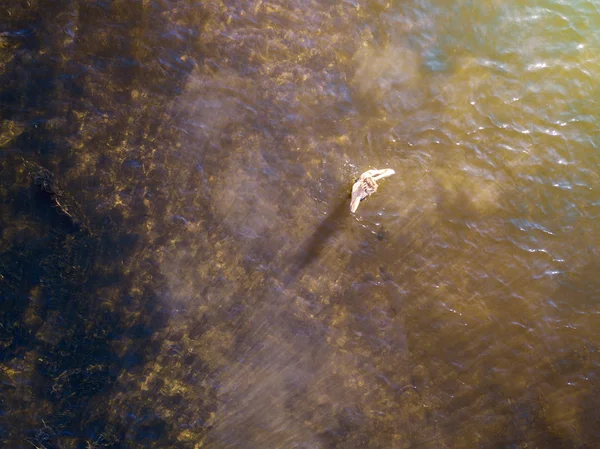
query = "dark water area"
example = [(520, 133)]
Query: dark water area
[(178, 264)]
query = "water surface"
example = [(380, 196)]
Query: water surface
[(179, 266)]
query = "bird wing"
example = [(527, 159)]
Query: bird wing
[(357, 195), (378, 174)]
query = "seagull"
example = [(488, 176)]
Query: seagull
[(367, 185)]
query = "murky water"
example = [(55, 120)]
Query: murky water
[(179, 267)]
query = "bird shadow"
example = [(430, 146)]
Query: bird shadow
[(312, 247)]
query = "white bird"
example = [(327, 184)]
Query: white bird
[(367, 185)]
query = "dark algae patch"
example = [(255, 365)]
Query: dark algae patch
[(79, 291)]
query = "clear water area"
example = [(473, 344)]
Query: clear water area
[(178, 264)]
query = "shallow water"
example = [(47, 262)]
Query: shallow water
[(179, 264)]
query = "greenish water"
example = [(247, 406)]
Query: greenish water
[(178, 264)]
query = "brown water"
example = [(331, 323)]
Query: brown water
[(199, 280)]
